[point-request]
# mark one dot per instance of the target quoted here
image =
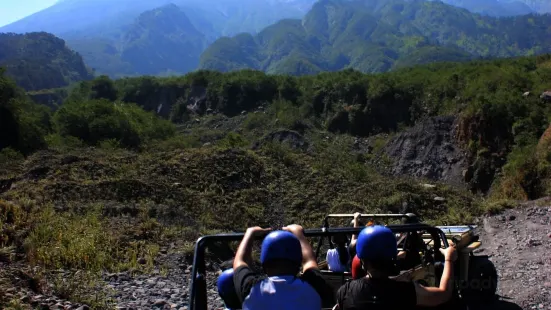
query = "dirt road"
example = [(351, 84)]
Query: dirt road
[(518, 242)]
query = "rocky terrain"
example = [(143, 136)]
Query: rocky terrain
[(518, 242), (429, 150)]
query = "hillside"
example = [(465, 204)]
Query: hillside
[(102, 199), (121, 38), (40, 61), (94, 17), (495, 7), (376, 36), (540, 6)]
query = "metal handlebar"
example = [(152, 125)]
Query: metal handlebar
[(407, 215)]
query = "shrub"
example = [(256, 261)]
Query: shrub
[(233, 140), (98, 120)]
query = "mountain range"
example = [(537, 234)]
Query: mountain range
[(40, 60), (494, 7), (128, 37), (165, 37), (377, 36)]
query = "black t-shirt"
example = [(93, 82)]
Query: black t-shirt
[(352, 252), (374, 294), (245, 279)]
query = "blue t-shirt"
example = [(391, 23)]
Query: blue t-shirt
[(259, 292)]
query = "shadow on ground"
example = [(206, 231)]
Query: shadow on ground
[(500, 304)]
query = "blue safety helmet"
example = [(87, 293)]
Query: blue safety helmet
[(281, 244), (376, 243), (226, 288)]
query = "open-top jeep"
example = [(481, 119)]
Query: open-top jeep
[(475, 276)]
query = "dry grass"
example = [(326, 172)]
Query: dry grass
[(88, 211)]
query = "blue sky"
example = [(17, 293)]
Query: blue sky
[(12, 10)]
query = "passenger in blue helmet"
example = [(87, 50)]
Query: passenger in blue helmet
[(352, 247), (377, 250), (226, 290), (282, 255)]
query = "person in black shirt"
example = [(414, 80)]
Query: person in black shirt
[(377, 250), (352, 247)]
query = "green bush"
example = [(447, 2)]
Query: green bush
[(56, 141), (177, 142), (23, 123), (99, 120), (256, 121), (8, 154), (233, 140)]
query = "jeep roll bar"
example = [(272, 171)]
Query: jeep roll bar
[(198, 290), (409, 219)]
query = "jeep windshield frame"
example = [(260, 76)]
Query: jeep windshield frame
[(198, 286), (409, 218)]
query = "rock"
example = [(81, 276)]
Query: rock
[(512, 217), (159, 302), (428, 150), (428, 185), (25, 299), (292, 138), (546, 95), (439, 199)]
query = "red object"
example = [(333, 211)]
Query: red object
[(357, 271)]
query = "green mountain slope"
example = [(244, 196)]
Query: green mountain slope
[(374, 36), (40, 61), (540, 6), (158, 42), (126, 37), (161, 40), (494, 7)]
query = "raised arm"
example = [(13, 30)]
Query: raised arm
[(356, 224), (434, 296), (308, 258), (243, 257)]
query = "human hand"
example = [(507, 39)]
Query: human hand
[(295, 229), (450, 253), (257, 231)]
